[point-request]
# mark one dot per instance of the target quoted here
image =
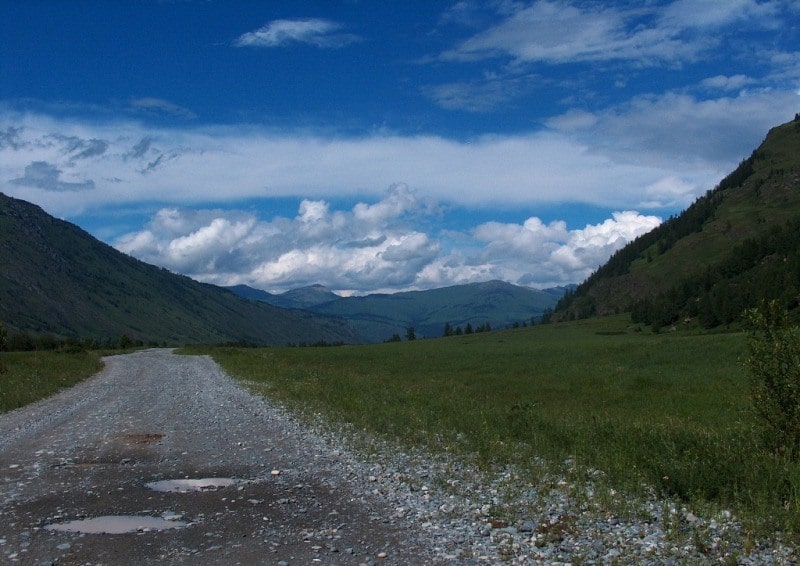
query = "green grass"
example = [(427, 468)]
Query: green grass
[(26, 377), (669, 411)]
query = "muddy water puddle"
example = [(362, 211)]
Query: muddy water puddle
[(189, 485), (123, 524), (117, 525)]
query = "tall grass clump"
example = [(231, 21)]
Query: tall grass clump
[(30, 376), (667, 412)]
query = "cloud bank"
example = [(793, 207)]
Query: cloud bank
[(375, 247), (651, 152)]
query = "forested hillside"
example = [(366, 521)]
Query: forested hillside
[(487, 305), (734, 246), (764, 267)]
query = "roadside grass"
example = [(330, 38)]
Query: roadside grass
[(26, 377), (663, 412)]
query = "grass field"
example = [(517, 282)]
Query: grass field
[(26, 377), (669, 411)]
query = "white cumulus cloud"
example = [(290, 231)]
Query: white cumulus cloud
[(535, 253), (383, 250)]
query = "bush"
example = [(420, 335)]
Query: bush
[(125, 342), (774, 365)]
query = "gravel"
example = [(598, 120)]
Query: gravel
[(304, 493), (469, 517)]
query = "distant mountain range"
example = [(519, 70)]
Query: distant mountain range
[(56, 278), (734, 246), (378, 317), (301, 298)]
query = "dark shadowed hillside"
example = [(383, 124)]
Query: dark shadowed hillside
[(736, 245), (56, 278)]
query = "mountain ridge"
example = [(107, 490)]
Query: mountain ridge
[(380, 316), (56, 278), (300, 298)]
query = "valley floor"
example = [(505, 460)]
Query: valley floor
[(287, 493)]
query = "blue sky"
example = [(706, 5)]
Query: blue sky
[(384, 146)]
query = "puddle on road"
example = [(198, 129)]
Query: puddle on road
[(116, 525), (189, 485)]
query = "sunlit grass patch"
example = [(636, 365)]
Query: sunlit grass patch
[(668, 413), (26, 377)]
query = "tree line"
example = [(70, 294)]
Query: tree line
[(450, 330), (29, 342), (766, 267)]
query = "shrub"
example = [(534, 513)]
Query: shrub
[(125, 342), (774, 365)]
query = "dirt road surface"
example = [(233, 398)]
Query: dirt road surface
[(270, 496)]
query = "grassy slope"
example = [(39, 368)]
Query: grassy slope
[(26, 377), (671, 410), (770, 196)]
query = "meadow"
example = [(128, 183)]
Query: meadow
[(666, 412), (26, 377)]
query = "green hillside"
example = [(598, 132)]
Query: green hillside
[(496, 303), (733, 246), (56, 278)]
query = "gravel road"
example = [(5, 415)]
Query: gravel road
[(90, 452), (194, 468)]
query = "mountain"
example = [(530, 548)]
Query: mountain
[(250, 293), (301, 298), (560, 291), (737, 244), (378, 317), (307, 297), (56, 278)]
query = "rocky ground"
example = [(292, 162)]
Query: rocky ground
[(276, 491)]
